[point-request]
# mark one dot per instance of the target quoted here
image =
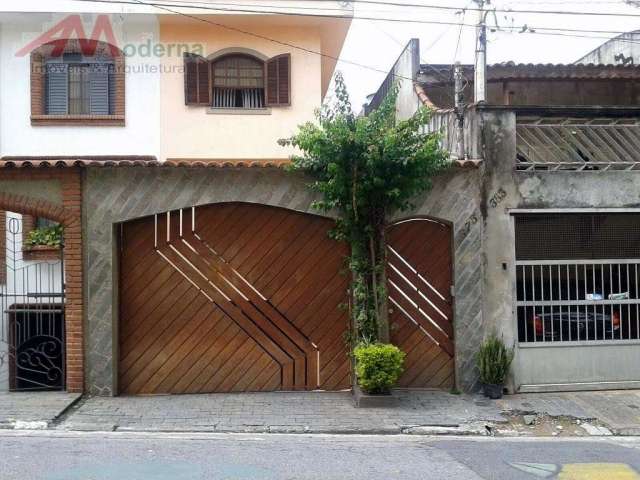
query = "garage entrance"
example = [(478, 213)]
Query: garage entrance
[(577, 300), (230, 298)]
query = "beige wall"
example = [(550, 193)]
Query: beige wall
[(191, 132)]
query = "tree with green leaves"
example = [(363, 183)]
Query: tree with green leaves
[(366, 168)]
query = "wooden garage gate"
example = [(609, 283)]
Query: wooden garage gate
[(242, 297), (419, 274), (231, 297)]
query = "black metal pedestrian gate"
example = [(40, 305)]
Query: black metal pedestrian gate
[(32, 333)]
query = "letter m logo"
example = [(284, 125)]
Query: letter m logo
[(71, 28)]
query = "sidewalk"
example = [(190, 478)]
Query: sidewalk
[(619, 410), (417, 412), (279, 412), (33, 409)]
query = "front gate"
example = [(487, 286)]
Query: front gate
[(231, 297), (419, 272), (32, 333)]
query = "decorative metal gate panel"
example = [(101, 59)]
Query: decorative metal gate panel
[(32, 335), (419, 271), (231, 297)]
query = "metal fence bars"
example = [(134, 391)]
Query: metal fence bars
[(32, 333), (578, 300)]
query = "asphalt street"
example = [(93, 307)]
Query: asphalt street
[(54, 455)]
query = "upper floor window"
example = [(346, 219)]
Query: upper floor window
[(77, 85), (238, 81), (80, 86)]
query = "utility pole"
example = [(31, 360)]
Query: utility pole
[(459, 110), (480, 70)]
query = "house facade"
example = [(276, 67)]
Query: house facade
[(548, 233), (190, 260)]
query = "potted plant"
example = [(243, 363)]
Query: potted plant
[(494, 360), (378, 367)]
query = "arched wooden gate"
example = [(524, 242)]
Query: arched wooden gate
[(231, 297), (419, 275)]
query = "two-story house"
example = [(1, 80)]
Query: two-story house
[(191, 261), (543, 215)]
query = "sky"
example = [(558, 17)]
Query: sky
[(378, 44)]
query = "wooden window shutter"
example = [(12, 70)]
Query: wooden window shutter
[(197, 80), (279, 81)]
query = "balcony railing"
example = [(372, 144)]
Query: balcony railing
[(581, 144), (444, 122)]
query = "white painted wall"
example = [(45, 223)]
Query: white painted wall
[(140, 136), (623, 47)]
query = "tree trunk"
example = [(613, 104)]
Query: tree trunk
[(382, 305)]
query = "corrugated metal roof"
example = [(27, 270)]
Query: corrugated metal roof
[(438, 73)]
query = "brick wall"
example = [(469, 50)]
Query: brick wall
[(69, 213)]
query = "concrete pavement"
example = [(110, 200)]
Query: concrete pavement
[(279, 412), (33, 409), (55, 455), (417, 412)]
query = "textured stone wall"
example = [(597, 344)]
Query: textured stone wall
[(118, 194), (114, 195)]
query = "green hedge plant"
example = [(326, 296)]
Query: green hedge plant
[(378, 366), (494, 360)]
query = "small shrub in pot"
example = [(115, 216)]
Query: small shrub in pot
[(494, 360), (378, 366)]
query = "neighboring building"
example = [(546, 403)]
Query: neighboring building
[(544, 218), (155, 132), (621, 50)]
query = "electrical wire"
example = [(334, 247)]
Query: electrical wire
[(455, 8), (550, 31)]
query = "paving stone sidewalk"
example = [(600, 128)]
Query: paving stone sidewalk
[(33, 409), (284, 412), (417, 412)]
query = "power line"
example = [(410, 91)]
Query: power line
[(521, 28), (455, 8), (264, 37)]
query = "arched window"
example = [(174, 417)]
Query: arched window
[(238, 82)]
